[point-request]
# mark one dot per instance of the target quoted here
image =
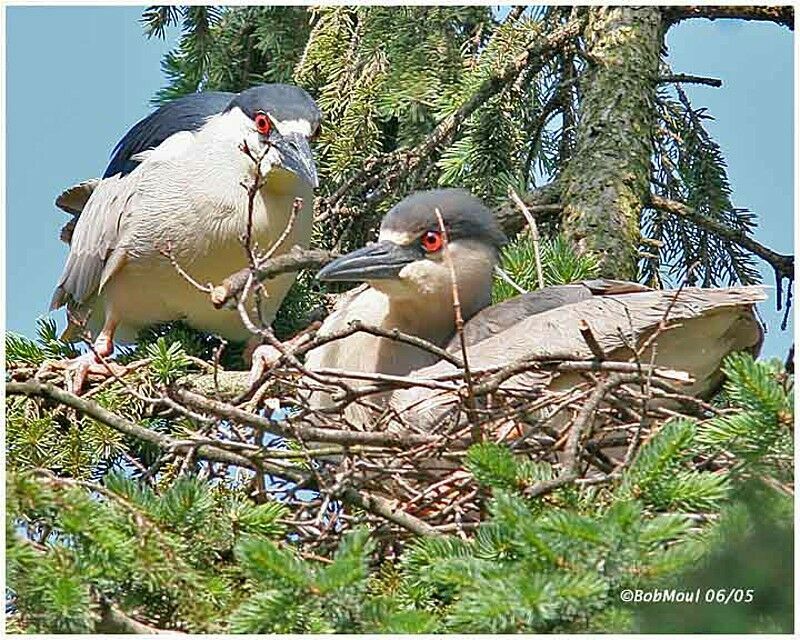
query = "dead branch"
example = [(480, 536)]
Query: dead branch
[(477, 436), (306, 432), (526, 212)]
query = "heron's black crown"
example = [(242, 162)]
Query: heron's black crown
[(282, 101), (464, 215)]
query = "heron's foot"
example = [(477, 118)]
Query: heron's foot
[(264, 356), (78, 371)]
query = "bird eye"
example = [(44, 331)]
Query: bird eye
[(432, 241), (263, 123)]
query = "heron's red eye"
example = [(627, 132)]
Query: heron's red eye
[(263, 124), (432, 241)]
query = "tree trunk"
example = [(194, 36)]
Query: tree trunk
[(606, 182)]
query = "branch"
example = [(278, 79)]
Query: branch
[(686, 78), (294, 260), (115, 620), (112, 619), (375, 504), (531, 220), (34, 388), (535, 57), (582, 421), (783, 264), (783, 15), (543, 202), (305, 432), (537, 54), (475, 430), (385, 508)]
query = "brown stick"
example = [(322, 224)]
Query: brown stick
[(306, 432), (295, 260), (580, 425), (534, 234), (591, 341), (477, 435)]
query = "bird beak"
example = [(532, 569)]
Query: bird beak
[(296, 157), (379, 261)]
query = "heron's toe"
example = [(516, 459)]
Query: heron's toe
[(79, 370), (263, 357)]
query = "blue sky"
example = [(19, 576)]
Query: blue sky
[(79, 77)]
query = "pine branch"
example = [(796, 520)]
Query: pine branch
[(783, 264), (407, 161), (34, 388)]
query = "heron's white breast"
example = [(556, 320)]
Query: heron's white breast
[(195, 206)]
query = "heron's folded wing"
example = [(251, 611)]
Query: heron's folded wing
[(704, 325), (499, 317), (95, 237)]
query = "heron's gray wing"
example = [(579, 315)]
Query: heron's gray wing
[(187, 113), (496, 318), (492, 320), (94, 240), (706, 326)]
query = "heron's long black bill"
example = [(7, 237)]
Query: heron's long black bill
[(381, 261), (296, 156)]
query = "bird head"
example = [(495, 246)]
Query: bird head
[(410, 259), (276, 122)]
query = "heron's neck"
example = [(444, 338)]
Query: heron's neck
[(432, 315)]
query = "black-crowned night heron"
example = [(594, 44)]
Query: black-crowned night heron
[(409, 288), (175, 184)]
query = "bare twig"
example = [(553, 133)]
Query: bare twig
[(166, 251), (477, 436), (591, 341), (537, 256)]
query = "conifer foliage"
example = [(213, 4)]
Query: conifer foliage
[(167, 500)]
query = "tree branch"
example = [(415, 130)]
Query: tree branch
[(294, 260), (307, 433), (536, 55), (115, 620), (542, 202), (34, 388), (783, 264), (783, 15), (375, 504), (686, 78)]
